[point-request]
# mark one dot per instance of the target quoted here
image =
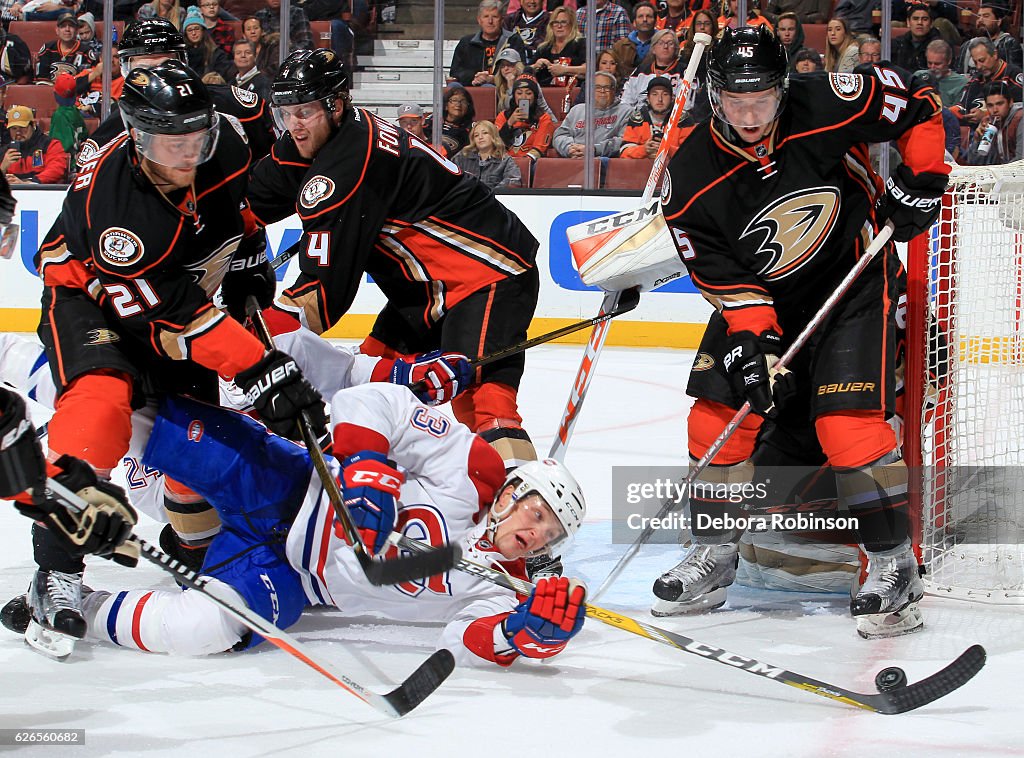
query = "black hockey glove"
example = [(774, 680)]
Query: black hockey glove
[(750, 363), (911, 202), (22, 465), (250, 273), (279, 392), (105, 524)]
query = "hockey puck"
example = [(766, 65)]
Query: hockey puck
[(892, 678)]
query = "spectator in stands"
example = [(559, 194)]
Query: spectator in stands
[(530, 24), (300, 35), (791, 34), (633, 48), (169, 9), (459, 113), (663, 60), (410, 118), (646, 126), (608, 60), (948, 83), (989, 24), (201, 53), (612, 23), (677, 14), (507, 67), (15, 59), (841, 52), (474, 56), (869, 50), (607, 119), (526, 131), (267, 46), (563, 53), (486, 159), (857, 14), (87, 29), (945, 17), (66, 124), (64, 54), (988, 67), (754, 17), (1004, 112), (32, 156), (46, 10), (701, 21), (908, 50), (220, 31), (808, 60), (806, 11), (249, 76)]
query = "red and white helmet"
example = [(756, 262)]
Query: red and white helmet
[(557, 487)]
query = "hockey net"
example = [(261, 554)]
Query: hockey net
[(965, 387)]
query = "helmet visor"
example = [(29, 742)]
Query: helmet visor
[(178, 151), (746, 110), (287, 115), (540, 516)]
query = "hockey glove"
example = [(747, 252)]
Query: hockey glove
[(912, 202), (279, 392), (541, 626), (102, 528), (22, 465), (444, 375), (370, 485), (250, 273), (750, 363)]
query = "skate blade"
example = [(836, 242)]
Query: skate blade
[(707, 602), (896, 624), (48, 642)]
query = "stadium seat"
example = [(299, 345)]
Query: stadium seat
[(483, 102), (321, 33), (35, 34), (815, 35), (236, 27), (627, 173), (39, 97), (556, 97), (562, 173), (525, 167)]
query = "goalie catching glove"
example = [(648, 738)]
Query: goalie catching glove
[(434, 377), (371, 486), (911, 201), (543, 624), (751, 364)]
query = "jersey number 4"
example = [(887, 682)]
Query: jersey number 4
[(319, 248)]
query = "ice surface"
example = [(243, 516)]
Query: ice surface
[(610, 693)]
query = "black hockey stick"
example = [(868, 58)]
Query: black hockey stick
[(378, 572), (899, 699), (410, 693), (286, 255), (628, 300)]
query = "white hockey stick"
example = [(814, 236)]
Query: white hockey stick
[(670, 505), (413, 691), (599, 334)]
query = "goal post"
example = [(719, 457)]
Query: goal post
[(964, 413)]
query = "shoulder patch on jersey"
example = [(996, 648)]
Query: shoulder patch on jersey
[(846, 86), (237, 126), (1019, 78), (702, 362), (794, 229), (666, 186), (120, 247), (246, 97), (315, 190)]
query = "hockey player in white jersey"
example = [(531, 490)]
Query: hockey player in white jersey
[(402, 465)]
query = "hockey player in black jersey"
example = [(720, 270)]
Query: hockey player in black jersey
[(770, 205), (456, 266), (149, 230), (152, 41)]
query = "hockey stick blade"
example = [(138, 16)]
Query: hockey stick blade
[(378, 572), (413, 691), (908, 698)]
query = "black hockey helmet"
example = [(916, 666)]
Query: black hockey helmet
[(151, 36), (744, 60), (309, 75), (169, 99)]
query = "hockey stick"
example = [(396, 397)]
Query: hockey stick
[(611, 300), (826, 308), (897, 700), (378, 572), (628, 301), (410, 693)]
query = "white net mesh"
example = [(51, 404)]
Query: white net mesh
[(973, 407)]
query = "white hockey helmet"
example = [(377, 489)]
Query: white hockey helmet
[(558, 488)]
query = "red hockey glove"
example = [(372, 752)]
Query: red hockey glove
[(371, 486), (541, 626), (435, 377)]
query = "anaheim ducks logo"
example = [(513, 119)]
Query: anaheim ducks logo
[(245, 97), (102, 337), (846, 86), (140, 78), (315, 190), (120, 247), (794, 228), (702, 362)]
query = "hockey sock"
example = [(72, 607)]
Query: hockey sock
[(491, 410)]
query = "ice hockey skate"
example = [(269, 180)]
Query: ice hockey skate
[(698, 583), (55, 622), (886, 604)]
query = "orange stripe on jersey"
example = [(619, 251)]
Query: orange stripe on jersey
[(362, 175), (871, 81), (113, 145), (476, 235), (241, 172), (923, 147), (756, 319), (707, 188), (133, 274), (722, 289), (273, 157)]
